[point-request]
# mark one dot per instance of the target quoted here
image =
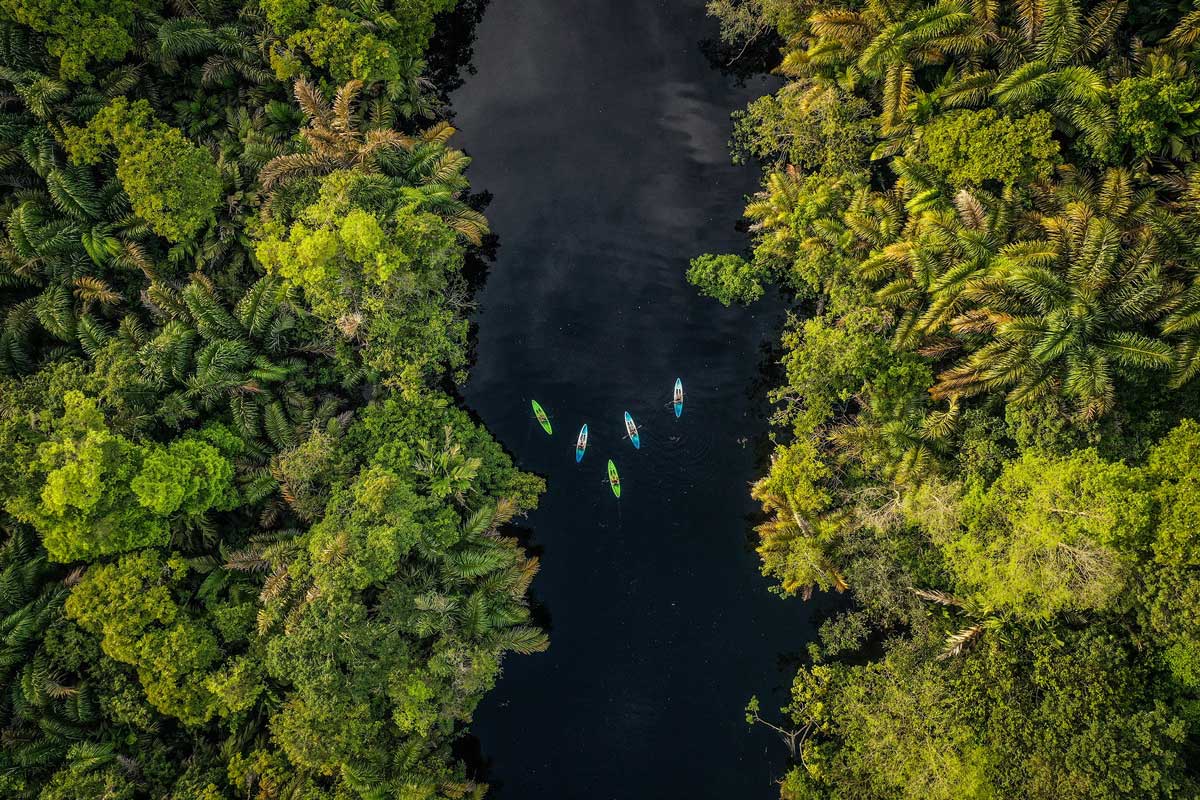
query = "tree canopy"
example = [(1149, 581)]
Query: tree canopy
[(989, 383), (249, 547)]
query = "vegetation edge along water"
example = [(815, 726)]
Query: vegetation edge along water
[(250, 548), (986, 213)]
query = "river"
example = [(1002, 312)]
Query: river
[(601, 131)]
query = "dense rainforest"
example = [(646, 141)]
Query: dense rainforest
[(249, 546), (988, 215)]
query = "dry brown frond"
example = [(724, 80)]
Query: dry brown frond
[(349, 324), (343, 103), (439, 133), (466, 225), (297, 611), (960, 381), (133, 255), (326, 141), (840, 584), (57, 690), (294, 165), (270, 515), (94, 290), (265, 620), (248, 559), (202, 279), (381, 139), (958, 642), (528, 569), (939, 347), (311, 101), (936, 596), (970, 211), (275, 584), (506, 509)]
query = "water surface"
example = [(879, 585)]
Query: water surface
[(600, 130)]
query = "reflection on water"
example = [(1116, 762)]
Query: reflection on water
[(600, 131), (451, 51)]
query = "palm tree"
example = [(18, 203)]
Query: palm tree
[(791, 538), (1182, 322), (945, 250), (888, 40), (333, 139), (961, 640), (1031, 55), (245, 359), (68, 254), (49, 708), (334, 142), (1072, 311)]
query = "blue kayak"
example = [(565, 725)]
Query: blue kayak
[(631, 429), (581, 443), (678, 400)]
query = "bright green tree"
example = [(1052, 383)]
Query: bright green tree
[(131, 606), (377, 271), (1049, 535), (172, 184), (727, 278), (79, 32), (79, 496)]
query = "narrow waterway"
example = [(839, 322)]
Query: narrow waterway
[(600, 129)]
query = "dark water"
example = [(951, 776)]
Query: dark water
[(601, 130)]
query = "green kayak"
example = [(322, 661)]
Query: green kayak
[(614, 480), (540, 413)]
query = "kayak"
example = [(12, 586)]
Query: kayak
[(678, 397), (581, 444), (631, 429), (614, 480), (540, 413)]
